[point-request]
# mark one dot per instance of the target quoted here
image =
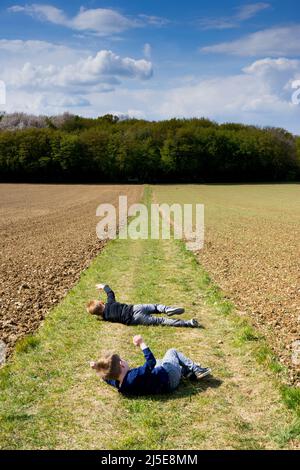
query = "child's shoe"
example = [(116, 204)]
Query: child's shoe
[(203, 372), (174, 311)]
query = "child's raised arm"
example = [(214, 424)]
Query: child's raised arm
[(150, 359), (138, 341), (109, 292), (100, 286)]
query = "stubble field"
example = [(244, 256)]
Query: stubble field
[(252, 251)]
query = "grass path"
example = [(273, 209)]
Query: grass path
[(51, 399)]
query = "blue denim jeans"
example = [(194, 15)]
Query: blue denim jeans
[(177, 365), (142, 315)]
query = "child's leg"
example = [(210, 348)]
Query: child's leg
[(172, 367), (161, 308), (177, 358), (140, 318), (169, 310), (149, 309)]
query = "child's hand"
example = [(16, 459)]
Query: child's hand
[(100, 286), (137, 340)]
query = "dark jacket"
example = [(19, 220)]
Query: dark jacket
[(144, 380), (114, 311)]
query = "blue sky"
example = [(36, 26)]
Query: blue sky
[(153, 59)]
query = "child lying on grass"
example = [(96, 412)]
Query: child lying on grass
[(153, 377), (114, 311)]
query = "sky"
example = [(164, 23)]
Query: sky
[(233, 61)]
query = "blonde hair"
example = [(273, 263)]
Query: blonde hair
[(95, 307), (108, 366)]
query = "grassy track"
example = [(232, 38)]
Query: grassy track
[(51, 399)]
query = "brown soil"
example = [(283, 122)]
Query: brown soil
[(258, 268), (48, 236)]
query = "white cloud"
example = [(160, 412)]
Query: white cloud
[(147, 51), (16, 46), (264, 66), (260, 95), (13, 54), (262, 88), (129, 114), (103, 68), (278, 73), (244, 13), (16, 9), (216, 23), (100, 21), (154, 20), (283, 41), (42, 12), (56, 77), (67, 102)]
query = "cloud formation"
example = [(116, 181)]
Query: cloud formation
[(263, 87), (243, 13), (147, 49), (105, 67), (276, 42), (16, 46), (100, 21), (42, 12)]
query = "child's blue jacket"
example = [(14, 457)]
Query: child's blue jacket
[(144, 380)]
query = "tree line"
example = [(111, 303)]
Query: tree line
[(110, 149)]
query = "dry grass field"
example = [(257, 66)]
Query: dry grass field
[(47, 237), (252, 251)]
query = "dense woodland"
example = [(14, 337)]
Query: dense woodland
[(109, 149)]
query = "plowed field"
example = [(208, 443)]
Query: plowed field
[(47, 237)]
